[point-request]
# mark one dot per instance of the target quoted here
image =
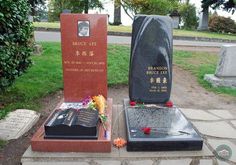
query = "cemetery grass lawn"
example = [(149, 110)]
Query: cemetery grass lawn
[(45, 75), (43, 78), (199, 64), (205, 34), (2, 144), (177, 32)]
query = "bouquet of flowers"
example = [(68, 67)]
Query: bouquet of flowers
[(97, 103)]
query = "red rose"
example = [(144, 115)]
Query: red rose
[(132, 103), (146, 130), (169, 104)]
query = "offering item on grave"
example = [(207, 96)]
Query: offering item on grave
[(78, 122), (100, 103)]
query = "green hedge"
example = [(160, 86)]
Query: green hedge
[(188, 16), (15, 40), (222, 24)]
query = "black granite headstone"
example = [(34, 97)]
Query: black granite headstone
[(72, 124), (154, 127), (150, 76)]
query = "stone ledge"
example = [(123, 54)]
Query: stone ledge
[(116, 154), (223, 81)]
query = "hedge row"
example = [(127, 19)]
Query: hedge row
[(15, 40)]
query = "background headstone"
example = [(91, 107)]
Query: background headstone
[(17, 123), (175, 19), (150, 75), (84, 56), (203, 21), (225, 74), (226, 66)]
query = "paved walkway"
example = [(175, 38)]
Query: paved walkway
[(55, 37), (217, 127)]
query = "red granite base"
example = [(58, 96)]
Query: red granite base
[(102, 144)]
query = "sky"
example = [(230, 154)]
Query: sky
[(109, 9)]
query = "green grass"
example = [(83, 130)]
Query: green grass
[(199, 64), (45, 76), (47, 24), (177, 32), (120, 28), (2, 143), (191, 33), (118, 64), (57, 25)]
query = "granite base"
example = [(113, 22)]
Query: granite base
[(221, 81), (102, 144), (170, 130)]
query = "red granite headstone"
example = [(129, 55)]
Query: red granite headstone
[(84, 57)]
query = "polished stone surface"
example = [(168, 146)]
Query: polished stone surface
[(169, 129), (150, 75), (84, 58), (72, 124)]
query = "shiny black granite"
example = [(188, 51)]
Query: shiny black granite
[(72, 124), (150, 76), (170, 130)]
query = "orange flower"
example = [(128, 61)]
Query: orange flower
[(100, 102), (119, 142)]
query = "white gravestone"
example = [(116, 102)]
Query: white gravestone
[(203, 21), (17, 123), (225, 74)]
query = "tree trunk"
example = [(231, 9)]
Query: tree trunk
[(117, 13), (86, 6)]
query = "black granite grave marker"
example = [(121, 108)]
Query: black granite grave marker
[(170, 130), (150, 75), (72, 124), (154, 127)]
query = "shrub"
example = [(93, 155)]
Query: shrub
[(15, 40), (188, 16), (221, 24)]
